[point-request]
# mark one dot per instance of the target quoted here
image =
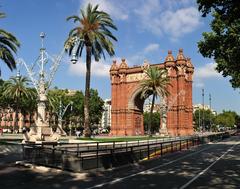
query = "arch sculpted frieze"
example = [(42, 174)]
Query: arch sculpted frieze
[(136, 77)]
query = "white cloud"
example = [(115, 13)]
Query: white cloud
[(198, 84), (115, 10), (148, 8), (172, 20), (181, 22), (136, 59), (207, 71), (148, 14), (151, 47), (98, 69), (139, 57), (173, 4)]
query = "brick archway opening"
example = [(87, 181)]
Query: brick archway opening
[(135, 106), (127, 105)]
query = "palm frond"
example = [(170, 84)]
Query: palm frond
[(16, 88), (10, 37), (94, 28), (8, 47), (2, 15), (74, 18), (155, 83), (7, 56)]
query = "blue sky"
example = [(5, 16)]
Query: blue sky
[(147, 29)]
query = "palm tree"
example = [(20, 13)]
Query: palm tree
[(16, 89), (8, 47), (156, 85), (94, 35)]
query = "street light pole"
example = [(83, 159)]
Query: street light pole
[(210, 104), (61, 113), (199, 120), (203, 125)]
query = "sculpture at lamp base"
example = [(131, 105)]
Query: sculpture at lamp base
[(41, 132)]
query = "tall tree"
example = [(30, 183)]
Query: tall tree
[(95, 36), (156, 118), (226, 119), (223, 42), (156, 85), (95, 107), (8, 47), (16, 89), (208, 120)]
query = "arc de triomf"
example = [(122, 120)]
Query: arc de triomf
[(127, 105)]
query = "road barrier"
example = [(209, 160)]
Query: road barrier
[(85, 156)]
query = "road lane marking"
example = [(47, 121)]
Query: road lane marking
[(205, 170), (145, 171)]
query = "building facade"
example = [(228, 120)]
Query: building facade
[(147, 108), (127, 104), (10, 121), (206, 107)]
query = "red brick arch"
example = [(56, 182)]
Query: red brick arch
[(127, 106)]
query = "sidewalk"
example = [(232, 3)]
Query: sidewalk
[(9, 154), (11, 137), (7, 136)]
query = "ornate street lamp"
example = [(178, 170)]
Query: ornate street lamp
[(76, 42), (41, 80)]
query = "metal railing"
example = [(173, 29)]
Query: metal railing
[(92, 155)]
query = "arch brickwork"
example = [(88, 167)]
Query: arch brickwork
[(127, 106)]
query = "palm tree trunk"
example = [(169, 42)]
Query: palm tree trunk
[(87, 131), (150, 117)]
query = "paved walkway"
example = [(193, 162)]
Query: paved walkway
[(214, 165), (7, 136)]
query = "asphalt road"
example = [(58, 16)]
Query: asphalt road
[(215, 165)]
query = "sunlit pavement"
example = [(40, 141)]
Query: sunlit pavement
[(215, 165)]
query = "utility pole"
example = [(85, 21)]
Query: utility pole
[(203, 125), (199, 119), (210, 100), (210, 103)]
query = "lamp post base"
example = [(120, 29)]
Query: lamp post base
[(41, 133), (60, 131), (163, 132)]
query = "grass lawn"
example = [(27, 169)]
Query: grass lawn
[(119, 139)]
